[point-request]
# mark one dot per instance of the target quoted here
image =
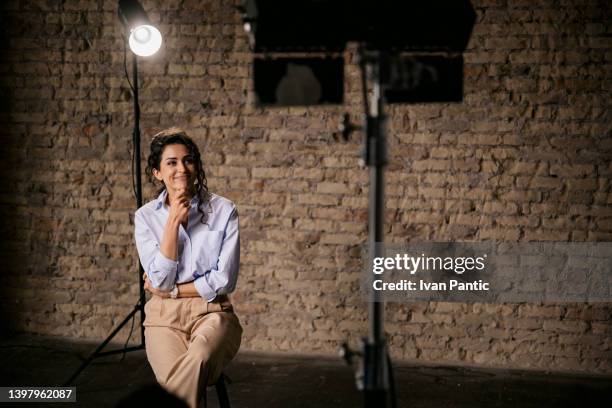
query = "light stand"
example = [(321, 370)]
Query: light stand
[(374, 373), (414, 56), (136, 144), (376, 362), (134, 18)]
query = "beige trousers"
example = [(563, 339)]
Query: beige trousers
[(189, 341)]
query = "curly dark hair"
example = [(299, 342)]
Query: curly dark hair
[(178, 136)]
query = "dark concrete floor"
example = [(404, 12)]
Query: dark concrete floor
[(265, 380)]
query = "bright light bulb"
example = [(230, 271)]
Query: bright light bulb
[(142, 34), (145, 40)]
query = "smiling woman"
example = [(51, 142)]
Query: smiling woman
[(189, 246)]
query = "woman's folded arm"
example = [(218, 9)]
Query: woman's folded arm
[(160, 269)]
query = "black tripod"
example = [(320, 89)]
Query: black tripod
[(374, 374), (141, 301)]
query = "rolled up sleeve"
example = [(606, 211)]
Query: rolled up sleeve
[(160, 270), (222, 278)]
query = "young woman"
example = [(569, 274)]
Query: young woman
[(189, 246)]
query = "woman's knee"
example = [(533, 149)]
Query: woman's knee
[(200, 349)]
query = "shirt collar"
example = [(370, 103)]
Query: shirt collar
[(161, 199)]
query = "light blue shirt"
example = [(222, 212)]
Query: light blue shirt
[(208, 254)]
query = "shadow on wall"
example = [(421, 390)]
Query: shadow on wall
[(11, 139)]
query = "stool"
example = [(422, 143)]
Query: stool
[(221, 388)]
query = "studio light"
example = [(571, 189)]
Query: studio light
[(145, 40), (423, 42), (410, 51)]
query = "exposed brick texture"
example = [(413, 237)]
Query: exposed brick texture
[(525, 157)]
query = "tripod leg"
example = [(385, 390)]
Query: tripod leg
[(102, 345)]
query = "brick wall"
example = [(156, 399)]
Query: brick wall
[(526, 157)]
